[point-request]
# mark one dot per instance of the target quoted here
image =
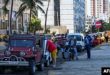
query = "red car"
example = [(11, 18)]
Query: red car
[(22, 53)]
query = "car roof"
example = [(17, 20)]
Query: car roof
[(81, 34), (22, 36), (76, 34)]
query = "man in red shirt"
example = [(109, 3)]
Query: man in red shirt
[(53, 50)]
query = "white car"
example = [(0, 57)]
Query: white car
[(80, 40)]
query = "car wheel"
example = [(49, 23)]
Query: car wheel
[(40, 67), (32, 68)]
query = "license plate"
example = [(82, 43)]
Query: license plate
[(13, 62)]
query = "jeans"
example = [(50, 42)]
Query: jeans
[(88, 51), (76, 53)]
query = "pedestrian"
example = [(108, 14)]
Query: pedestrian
[(73, 47), (53, 50), (87, 41), (106, 37)]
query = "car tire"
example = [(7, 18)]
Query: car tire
[(40, 67), (32, 68)]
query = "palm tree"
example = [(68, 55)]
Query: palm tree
[(32, 6), (6, 11)]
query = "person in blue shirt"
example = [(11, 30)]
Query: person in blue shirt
[(87, 41)]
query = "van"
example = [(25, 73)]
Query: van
[(80, 40)]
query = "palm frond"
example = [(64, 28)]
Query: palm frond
[(34, 12), (5, 10), (39, 2), (20, 11), (5, 2), (40, 8)]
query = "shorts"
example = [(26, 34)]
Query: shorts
[(54, 54)]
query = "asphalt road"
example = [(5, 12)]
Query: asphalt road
[(100, 58), (45, 72)]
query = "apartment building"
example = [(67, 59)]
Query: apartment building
[(100, 9), (69, 13), (17, 23)]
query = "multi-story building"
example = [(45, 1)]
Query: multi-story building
[(17, 23), (96, 10), (100, 9), (69, 13), (109, 11), (87, 8), (50, 15), (88, 17), (79, 15)]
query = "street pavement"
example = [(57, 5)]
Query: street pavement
[(83, 66)]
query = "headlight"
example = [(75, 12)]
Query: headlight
[(7, 53), (22, 54)]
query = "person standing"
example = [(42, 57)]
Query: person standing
[(106, 37), (53, 50), (73, 50), (87, 41)]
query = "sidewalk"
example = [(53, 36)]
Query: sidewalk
[(100, 58)]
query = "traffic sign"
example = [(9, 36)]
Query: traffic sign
[(98, 24)]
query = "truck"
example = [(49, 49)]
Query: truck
[(22, 52)]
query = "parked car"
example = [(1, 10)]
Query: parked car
[(22, 53), (80, 40)]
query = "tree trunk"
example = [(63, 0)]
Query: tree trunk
[(10, 19), (46, 16), (30, 20)]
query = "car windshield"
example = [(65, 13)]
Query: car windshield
[(78, 37), (21, 43)]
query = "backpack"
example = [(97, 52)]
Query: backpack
[(88, 40)]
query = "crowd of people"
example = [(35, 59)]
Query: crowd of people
[(69, 45)]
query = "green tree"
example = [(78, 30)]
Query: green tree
[(32, 5), (6, 2), (106, 26), (35, 24)]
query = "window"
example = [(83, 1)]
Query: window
[(22, 43)]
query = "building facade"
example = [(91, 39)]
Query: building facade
[(69, 13), (17, 23), (88, 17), (96, 10), (79, 15), (50, 15), (100, 9)]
